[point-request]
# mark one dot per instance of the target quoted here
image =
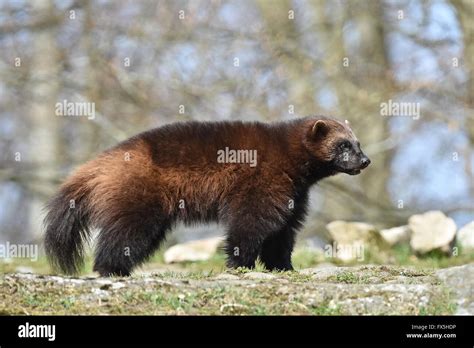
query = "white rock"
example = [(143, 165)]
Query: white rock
[(76, 281), (24, 269), (258, 275), (102, 281), (350, 239), (346, 232), (431, 230), (118, 285), (396, 235), (466, 236), (226, 276), (321, 274), (198, 250)]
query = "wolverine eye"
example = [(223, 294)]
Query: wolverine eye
[(345, 145)]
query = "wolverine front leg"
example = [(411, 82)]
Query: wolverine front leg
[(242, 250), (278, 247), (252, 217), (276, 250), (244, 239)]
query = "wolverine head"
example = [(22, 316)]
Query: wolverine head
[(334, 145)]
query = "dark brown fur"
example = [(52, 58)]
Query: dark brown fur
[(135, 202)]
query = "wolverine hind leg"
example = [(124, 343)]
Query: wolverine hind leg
[(128, 242)]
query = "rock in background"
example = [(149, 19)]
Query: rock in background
[(198, 250), (350, 237), (430, 231), (465, 237), (396, 235)]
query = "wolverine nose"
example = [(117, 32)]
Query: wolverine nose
[(364, 162)]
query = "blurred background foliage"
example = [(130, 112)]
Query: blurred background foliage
[(148, 63)]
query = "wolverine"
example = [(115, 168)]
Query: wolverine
[(135, 192)]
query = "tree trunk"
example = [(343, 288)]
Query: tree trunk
[(44, 143)]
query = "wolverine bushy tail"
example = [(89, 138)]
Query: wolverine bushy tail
[(67, 227)]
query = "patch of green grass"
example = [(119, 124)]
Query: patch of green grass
[(402, 254), (40, 266), (345, 277), (306, 258), (32, 300), (325, 309), (68, 302), (443, 309), (441, 305), (295, 276), (194, 275)]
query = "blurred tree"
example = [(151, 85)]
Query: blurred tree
[(45, 146), (281, 39), (465, 13)]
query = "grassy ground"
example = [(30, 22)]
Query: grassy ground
[(359, 290), (408, 286)]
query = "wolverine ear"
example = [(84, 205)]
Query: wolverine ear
[(319, 128)]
